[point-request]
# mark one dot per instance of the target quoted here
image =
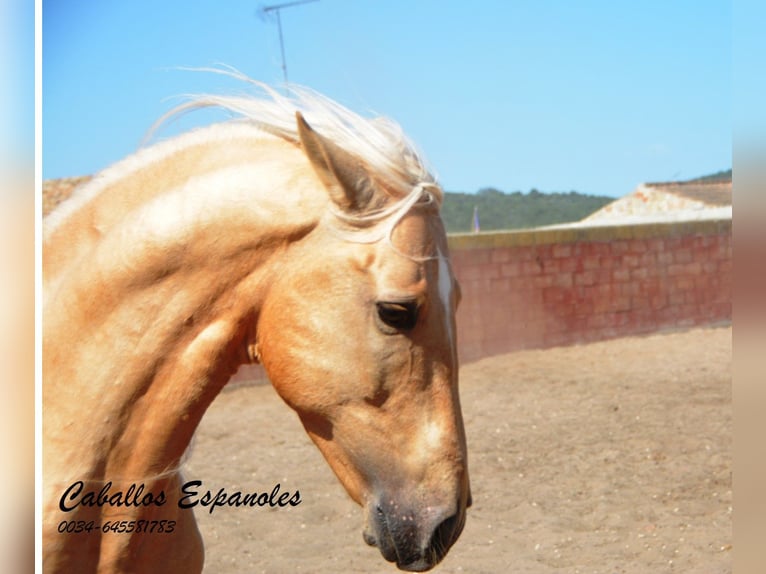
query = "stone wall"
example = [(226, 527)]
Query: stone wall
[(550, 287)]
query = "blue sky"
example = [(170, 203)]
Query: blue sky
[(593, 96)]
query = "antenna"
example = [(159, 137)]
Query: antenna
[(266, 10)]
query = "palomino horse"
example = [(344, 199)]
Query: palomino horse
[(316, 250)]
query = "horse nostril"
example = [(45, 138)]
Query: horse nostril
[(443, 537)]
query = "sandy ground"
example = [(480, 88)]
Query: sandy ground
[(609, 458)]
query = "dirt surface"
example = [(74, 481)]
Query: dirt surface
[(609, 458)]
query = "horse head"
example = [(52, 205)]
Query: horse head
[(357, 334)]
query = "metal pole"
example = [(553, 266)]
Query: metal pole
[(282, 47), (276, 8)]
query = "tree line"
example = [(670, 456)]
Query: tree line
[(497, 210)]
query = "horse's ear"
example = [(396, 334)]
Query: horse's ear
[(343, 174)]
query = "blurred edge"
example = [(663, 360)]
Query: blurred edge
[(17, 217), (749, 311), (17, 288), (749, 352)]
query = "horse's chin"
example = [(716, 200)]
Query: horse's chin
[(388, 551), (402, 542)]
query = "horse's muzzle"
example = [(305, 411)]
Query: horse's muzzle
[(416, 541)]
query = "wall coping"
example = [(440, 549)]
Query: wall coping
[(595, 233)]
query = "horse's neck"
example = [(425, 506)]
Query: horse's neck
[(148, 311), (202, 174)]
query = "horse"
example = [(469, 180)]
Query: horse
[(298, 235)]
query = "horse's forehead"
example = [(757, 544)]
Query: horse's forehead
[(406, 264), (419, 236)]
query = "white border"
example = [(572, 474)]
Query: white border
[(38, 283)]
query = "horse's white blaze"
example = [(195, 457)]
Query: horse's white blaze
[(445, 293), (431, 438), (433, 435)]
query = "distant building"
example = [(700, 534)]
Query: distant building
[(671, 201)]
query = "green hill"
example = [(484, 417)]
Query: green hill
[(718, 177), (498, 210)]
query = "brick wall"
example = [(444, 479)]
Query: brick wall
[(544, 288)]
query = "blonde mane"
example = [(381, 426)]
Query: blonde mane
[(379, 141)]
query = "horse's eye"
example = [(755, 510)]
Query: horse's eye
[(399, 316)]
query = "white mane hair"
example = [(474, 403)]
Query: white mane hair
[(378, 141)]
